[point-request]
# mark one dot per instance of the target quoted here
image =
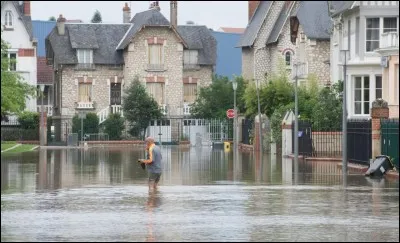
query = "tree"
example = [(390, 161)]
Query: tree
[(52, 18), (14, 91), (139, 107), (97, 17), (90, 124), (113, 126), (214, 100)]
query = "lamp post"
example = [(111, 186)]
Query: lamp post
[(42, 116), (234, 86), (296, 118), (344, 119), (259, 118)]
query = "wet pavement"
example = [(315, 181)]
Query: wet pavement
[(100, 194)]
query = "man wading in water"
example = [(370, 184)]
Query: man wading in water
[(153, 163)]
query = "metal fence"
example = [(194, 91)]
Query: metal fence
[(390, 139), (359, 137), (247, 131), (96, 137), (72, 139)]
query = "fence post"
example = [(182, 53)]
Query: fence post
[(379, 110)]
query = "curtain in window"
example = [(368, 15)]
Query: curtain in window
[(156, 90), (155, 54), (8, 18), (85, 92), (190, 57), (189, 93), (84, 56)]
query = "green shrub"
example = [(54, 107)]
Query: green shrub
[(113, 126), (29, 120), (90, 124)]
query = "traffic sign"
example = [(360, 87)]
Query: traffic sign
[(230, 113)]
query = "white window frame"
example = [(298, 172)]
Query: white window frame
[(9, 60), (291, 59), (190, 57), (381, 25), (8, 17), (90, 100), (362, 95), (87, 56)]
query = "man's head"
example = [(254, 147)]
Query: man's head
[(149, 141)]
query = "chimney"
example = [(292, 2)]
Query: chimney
[(61, 25), (126, 14), (155, 5), (252, 8), (27, 8), (174, 13)]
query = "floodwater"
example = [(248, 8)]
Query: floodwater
[(100, 194)]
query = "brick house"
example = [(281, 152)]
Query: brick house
[(94, 62), (369, 31), (285, 31), (16, 25)]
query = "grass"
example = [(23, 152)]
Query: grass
[(6, 145), (20, 149)]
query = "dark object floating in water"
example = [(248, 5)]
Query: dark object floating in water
[(380, 166)]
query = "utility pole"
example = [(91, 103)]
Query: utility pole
[(344, 121), (259, 120), (296, 118)]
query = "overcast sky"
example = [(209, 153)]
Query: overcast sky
[(213, 14)]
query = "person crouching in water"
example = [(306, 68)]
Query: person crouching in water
[(153, 163)]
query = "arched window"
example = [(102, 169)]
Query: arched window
[(8, 19), (288, 58)]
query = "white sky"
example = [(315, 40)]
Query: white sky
[(213, 14)]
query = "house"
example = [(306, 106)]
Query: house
[(287, 32), (229, 58), (94, 62), (16, 25), (231, 30), (367, 30), (44, 72)]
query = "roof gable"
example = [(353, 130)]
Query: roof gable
[(26, 20)]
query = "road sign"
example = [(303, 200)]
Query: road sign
[(230, 113)]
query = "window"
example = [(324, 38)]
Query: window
[(156, 60), (372, 38), (288, 58), (396, 84), (357, 35), (375, 28), (190, 57), (156, 90), (361, 95), (8, 21), (85, 92), (378, 87), (189, 93), (12, 60), (85, 56)]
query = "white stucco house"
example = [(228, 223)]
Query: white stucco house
[(16, 26), (362, 28)]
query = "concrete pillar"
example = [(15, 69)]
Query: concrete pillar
[(378, 111), (265, 135), (287, 133)]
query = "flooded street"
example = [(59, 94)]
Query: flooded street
[(101, 194)]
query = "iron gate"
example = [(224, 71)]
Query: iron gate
[(390, 139), (305, 138), (359, 137)]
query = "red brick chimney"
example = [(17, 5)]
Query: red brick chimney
[(252, 7), (27, 8)]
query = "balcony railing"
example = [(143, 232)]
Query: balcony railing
[(117, 109), (191, 66), (155, 67), (85, 66), (47, 108), (389, 40), (186, 109), (84, 105)]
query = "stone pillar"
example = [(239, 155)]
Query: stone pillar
[(287, 138), (379, 110), (256, 146)]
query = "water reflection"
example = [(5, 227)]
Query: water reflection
[(101, 194)]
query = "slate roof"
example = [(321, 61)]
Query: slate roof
[(314, 18), (200, 37), (341, 6), (151, 17), (252, 29), (44, 71), (109, 40), (26, 20), (107, 36), (280, 22)]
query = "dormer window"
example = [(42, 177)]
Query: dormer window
[(85, 58), (190, 58), (8, 21)]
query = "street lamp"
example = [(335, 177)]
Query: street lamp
[(296, 112), (344, 118), (234, 86), (42, 116), (259, 118)]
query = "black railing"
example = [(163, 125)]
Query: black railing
[(247, 128), (359, 137), (390, 139)]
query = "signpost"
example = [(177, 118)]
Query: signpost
[(230, 113)]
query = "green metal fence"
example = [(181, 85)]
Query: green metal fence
[(390, 139)]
